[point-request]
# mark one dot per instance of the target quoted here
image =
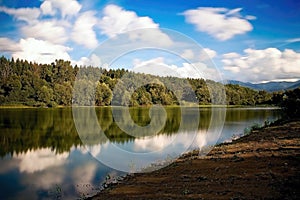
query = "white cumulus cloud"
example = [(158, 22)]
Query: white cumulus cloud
[(83, 32), (93, 60), (8, 45), (263, 65), (24, 14), (157, 66), (65, 7), (198, 70), (207, 54), (40, 51), (117, 20), (47, 8), (49, 30), (42, 40), (204, 55), (221, 23), (187, 54)]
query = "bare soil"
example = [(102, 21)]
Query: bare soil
[(261, 165)]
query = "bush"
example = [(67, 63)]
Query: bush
[(291, 103)]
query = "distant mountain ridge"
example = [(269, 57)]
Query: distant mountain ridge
[(296, 85), (270, 86)]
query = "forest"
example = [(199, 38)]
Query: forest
[(51, 85)]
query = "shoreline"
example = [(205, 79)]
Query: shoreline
[(165, 106), (262, 164)]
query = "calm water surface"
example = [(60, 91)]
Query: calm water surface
[(43, 156)]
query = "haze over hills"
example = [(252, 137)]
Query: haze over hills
[(270, 86)]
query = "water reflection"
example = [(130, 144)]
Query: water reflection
[(42, 156), (44, 174), (32, 129), (39, 160)]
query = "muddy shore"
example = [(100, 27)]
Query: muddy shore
[(261, 165)]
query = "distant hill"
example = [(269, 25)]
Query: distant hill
[(270, 86), (296, 85)]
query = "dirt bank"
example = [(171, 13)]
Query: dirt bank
[(261, 165)]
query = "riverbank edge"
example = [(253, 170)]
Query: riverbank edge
[(113, 190), (20, 106)]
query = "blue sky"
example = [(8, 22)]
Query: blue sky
[(253, 41)]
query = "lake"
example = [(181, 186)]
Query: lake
[(56, 153)]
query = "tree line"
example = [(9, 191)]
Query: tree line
[(50, 85)]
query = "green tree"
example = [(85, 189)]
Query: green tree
[(62, 93), (103, 95), (203, 95), (291, 103), (45, 95), (84, 93), (14, 86)]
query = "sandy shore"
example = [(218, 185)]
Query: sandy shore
[(261, 165)]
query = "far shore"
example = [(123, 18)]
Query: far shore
[(166, 106)]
